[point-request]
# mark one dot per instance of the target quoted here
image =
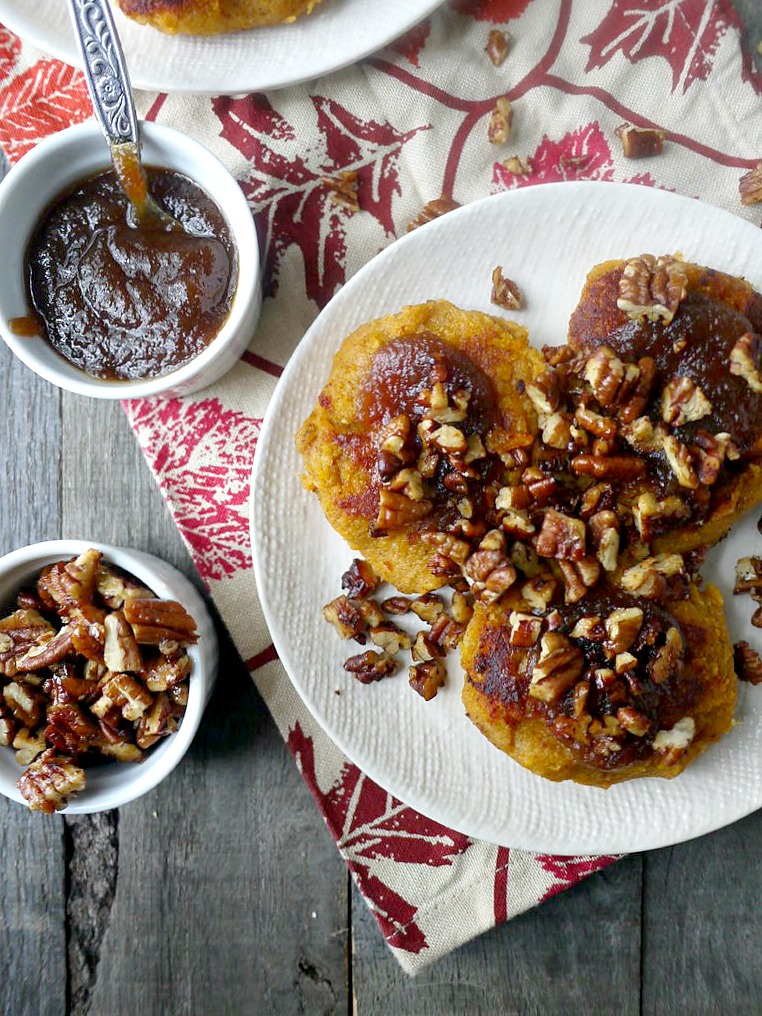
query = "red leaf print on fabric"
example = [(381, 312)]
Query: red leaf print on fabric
[(567, 871), (10, 47), (411, 44), (583, 154), (289, 187), (369, 824), (202, 455), (40, 101), (685, 33), (495, 11)]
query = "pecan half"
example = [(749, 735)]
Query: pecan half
[(652, 288), (120, 649), (155, 621), (127, 694), (49, 781), (433, 210)]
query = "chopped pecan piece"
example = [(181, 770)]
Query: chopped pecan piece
[(640, 142), (395, 446), (115, 587), (680, 462), (154, 621), (500, 121), (744, 360), (750, 186), (20, 632), (634, 722), (396, 510), (579, 576), (497, 45), (558, 667), (711, 450), (156, 722), (428, 607), (370, 666), (648, 577), (561, 537), (426, 648), (747, 663), (344, 615), (126, 693), (674, 743), (390, 638), (461, 609), (748, 575), (115, 744), (609, 467), (28, 745), (358, 582), (603, 528), (517, 166), (396, 605), (682, 401), (120, 649), (668, 658), (433, 210), (162, 673), (525, 628), (447, 632), (427, 678), (648, 510), (8, 726), (343, 189), (652, 288), (488, 570), (590, 628), (27, 705), (505, 292), (623, 627), (49, 781), (539, 592)]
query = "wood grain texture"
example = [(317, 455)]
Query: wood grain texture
[(216, 875), (32, 849), (579, 953)]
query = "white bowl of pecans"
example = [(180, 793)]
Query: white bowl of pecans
[(107, 660)]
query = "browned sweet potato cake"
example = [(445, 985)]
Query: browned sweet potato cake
[(210, 17)]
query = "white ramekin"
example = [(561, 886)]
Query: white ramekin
[(58, 163), (115, 783)]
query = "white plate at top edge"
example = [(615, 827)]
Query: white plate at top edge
[(428, 754), (336, 34)]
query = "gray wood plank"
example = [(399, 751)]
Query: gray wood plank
[(703, 925), (32, 850), (217, 874), (576, 955)]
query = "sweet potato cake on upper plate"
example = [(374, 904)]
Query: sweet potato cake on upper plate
[(211, 17), (403, 446)]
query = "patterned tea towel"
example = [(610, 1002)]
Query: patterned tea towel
[(412, 123)]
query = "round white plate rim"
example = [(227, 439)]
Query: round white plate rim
[(651, 837), (147, 74)]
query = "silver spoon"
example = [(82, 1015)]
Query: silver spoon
[(109, 85)]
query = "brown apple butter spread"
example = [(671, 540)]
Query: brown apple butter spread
[(124, 302)]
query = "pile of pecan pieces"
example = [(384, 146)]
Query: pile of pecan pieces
[(550, 513), (91, 663)]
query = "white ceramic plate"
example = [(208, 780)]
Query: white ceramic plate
[(428, 754), (336, 34)]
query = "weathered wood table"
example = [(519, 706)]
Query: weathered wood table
[(221, 893)]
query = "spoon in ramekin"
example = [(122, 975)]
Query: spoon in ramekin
[(109, 85)]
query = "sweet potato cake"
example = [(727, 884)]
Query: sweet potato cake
[(671, 355), (403, 446), (211, 17), (610, 688)]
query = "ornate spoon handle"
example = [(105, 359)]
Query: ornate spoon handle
[(105, 70)]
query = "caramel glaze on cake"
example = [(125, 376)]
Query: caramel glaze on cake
[(211, 17), (705, 391), (604, 690), (400, 447)]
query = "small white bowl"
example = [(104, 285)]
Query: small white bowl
[(59, 162), (115, 783)]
